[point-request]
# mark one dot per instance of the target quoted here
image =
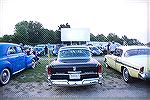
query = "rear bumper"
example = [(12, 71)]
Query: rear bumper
[(89, 81), (144, 76)]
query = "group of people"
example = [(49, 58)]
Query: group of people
[(29, 51)]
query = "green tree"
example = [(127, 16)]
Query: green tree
[(34, 31), (7, 38), (92, 37), (113, 37), (21, 32), (63, 26), (101, 38), (28, 32), (47, 36)]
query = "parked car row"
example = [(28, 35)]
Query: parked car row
[(53, 49), (75, 65)]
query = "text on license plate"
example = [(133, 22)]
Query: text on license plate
[(74, 76)]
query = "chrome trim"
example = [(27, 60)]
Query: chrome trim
[(19, 71), (89, 81), (74, 72), (75, 83)]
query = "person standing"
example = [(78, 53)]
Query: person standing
[(108, 47), (46, 50), (112, 47)]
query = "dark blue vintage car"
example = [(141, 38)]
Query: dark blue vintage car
[(13, 60), (74, 66)]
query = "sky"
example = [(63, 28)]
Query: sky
[(122, 17)]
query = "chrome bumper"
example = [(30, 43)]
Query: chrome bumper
[(89, 81), (144, 76)]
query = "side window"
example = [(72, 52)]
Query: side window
[(19, 50), (11, 50), (118, 52)]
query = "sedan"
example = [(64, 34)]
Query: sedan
[(12, 61), (131, 61), (74, 67)]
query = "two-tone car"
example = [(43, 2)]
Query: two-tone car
[(13, 60), (131, 61), (74, 67)]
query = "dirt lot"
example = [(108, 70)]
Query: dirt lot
[(113, 87)]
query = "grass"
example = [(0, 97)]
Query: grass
[(33, 75)]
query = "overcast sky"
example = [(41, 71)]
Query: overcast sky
[(122, 17)]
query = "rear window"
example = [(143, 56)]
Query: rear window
[(71, 53)]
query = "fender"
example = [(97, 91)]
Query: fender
[(4, 64), (29, 60)]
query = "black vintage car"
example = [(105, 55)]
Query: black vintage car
[(74, 67)]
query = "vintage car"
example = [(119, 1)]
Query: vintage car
[(12, 61), (131, 61), (74, 67)]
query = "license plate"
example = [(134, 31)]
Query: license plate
[(74, 76)]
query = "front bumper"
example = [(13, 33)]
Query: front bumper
[(144, 76), (89, 81)]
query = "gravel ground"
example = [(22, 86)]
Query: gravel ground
[(113, 87)]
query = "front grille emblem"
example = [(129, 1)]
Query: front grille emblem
[(74, 68)]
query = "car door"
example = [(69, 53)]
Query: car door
[(111, 60), (21, 57), (118, 61), (12, 58)]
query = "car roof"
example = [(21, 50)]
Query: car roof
[(4, 47), (8, 44), (125, 48)]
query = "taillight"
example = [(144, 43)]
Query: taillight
[(99, 68), (49, 70), (141, 70)]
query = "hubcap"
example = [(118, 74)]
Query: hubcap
[(125, 74), (5, 76)]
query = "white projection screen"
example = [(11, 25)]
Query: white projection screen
[(75, 34)]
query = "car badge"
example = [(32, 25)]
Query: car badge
[(74, 68)]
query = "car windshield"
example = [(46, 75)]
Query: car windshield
[(135, 52), (71, 53)]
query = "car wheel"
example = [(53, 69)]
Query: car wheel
[(4, 76), (126, 76), (33, 63)]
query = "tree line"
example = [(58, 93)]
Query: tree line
[(33, 33)]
